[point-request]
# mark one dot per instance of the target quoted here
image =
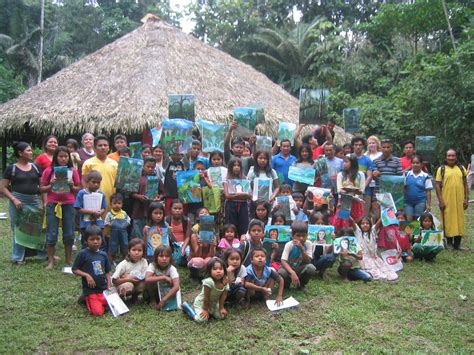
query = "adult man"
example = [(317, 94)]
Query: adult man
[(104, 165), (365, 166), (386, 164), (409, 151), (283, 160)]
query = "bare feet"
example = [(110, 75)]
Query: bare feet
[(56, 258), (50, 265)]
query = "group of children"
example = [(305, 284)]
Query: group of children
[(238, 264)]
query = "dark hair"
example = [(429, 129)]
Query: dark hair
[(285, 187), (116, 197), (158, 146), (134, 242), (230, 226), (298, 227), (93, 175), (267, 207), (92, 231), (278, 214), (358, 139), (365, 218), (196, 142), (153, 206), (216, 152), (228, 253), (162, 249), (428, 215), (317, 215), (124, 150), (354, 170), (73, 142), (147, 146), (58, 150), (46, 139), (120, 136), (19, 147), (100, 137), (238, 140), (386, 141), (175, 201), (307, 147), (337, 148), (198, 211), (409, 142), (346, 231), (332, 120), (347, 145), (284, 141), (256, 222), (215, 260), (254, 250), (297, 195), (149, 159), (306, 138), (199, 161), (417, 156), (230, 173), (268, 167)]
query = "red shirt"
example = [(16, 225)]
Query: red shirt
[(406, 163), (43, 161), (317, 152)]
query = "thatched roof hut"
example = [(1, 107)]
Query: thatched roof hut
[(124, 87)]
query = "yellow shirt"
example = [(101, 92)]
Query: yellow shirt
[(108, 170)]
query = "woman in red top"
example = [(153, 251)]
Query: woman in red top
[(44, 160)]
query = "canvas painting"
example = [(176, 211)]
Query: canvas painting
[(135, 150), (61, 177), (264, 144), (235, 186), (348, 244), (128, 174), (394, 185), (29, 227), (181, 106), (320, 234), (432, 238), (286, 130), (156, 135), (410, 227), (301, 174), (246, 118), (176, 136), (262, 189), (217, 174), (159, 236), (344, 211), (206, 229), (385, 200), (388, 217), (211, 198), (426, 147), (212, 135), (321, 196), (189, 187), (351, 120), (284, 206), (173, 303), (259, 112), (313, 106), (280, 234), (152, 184)]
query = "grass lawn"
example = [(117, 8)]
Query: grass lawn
[(430, 309)]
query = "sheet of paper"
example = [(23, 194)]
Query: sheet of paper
[(93, 201), (116, 305), (290, 302)]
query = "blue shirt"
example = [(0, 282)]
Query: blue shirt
[(282, 165), (95, 264), (416, 187), (365, 164), (84, 220)]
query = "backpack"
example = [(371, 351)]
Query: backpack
[(443, 170)]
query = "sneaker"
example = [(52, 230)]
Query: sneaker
[(189, 310)]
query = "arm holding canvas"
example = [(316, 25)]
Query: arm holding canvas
[(298, 141)]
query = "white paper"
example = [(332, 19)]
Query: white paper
[(3, 215), (67, 270), (92, 202), (290, 302), (116, 305)]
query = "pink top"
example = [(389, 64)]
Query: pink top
[(224, 244), (53, 197), (43, 161)]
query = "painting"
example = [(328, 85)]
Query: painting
[(216, 175), (410, 227), (432, 238), (313, 106), (206, 229), (61, 180), (262, 189), (385, 200), (320, 234), (29, 227), (246, 118), (321, 196), (396, 186), (286, 130), (426, 147), (181, 106), (237, 186), (351, 120), (263, 144), (280, 234), (302, 174), (212, 135), (344, 211), (211, 199), (152, 184), (348, 244), (128, 174), (189, 188), (259, 112), (284, 206), (135, 150), (157, 237), (176, 136), (388, 217), (156, 135)]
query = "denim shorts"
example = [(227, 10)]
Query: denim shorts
[(415, 209)]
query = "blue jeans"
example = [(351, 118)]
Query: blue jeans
[(118, 237), (324, 262), (415, 209), (355, 274), (52, 221)]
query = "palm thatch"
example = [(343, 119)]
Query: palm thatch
[(124, 87)]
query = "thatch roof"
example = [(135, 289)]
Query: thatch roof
[(124, 87)]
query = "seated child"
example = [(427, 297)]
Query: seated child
[(427, 252), (118, 221), (161, 270), (404, 240), (229, 240), (236, 274), (260, 278), (129, 276), (278, 219), (256, 232), (349, 267), (323, 256), (210, 302), (94, 267), (296, 258)]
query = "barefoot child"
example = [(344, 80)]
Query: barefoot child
[(94, 267)]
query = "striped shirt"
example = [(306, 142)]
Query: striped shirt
[(390, 166)]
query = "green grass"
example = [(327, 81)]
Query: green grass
[(423, 311)]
